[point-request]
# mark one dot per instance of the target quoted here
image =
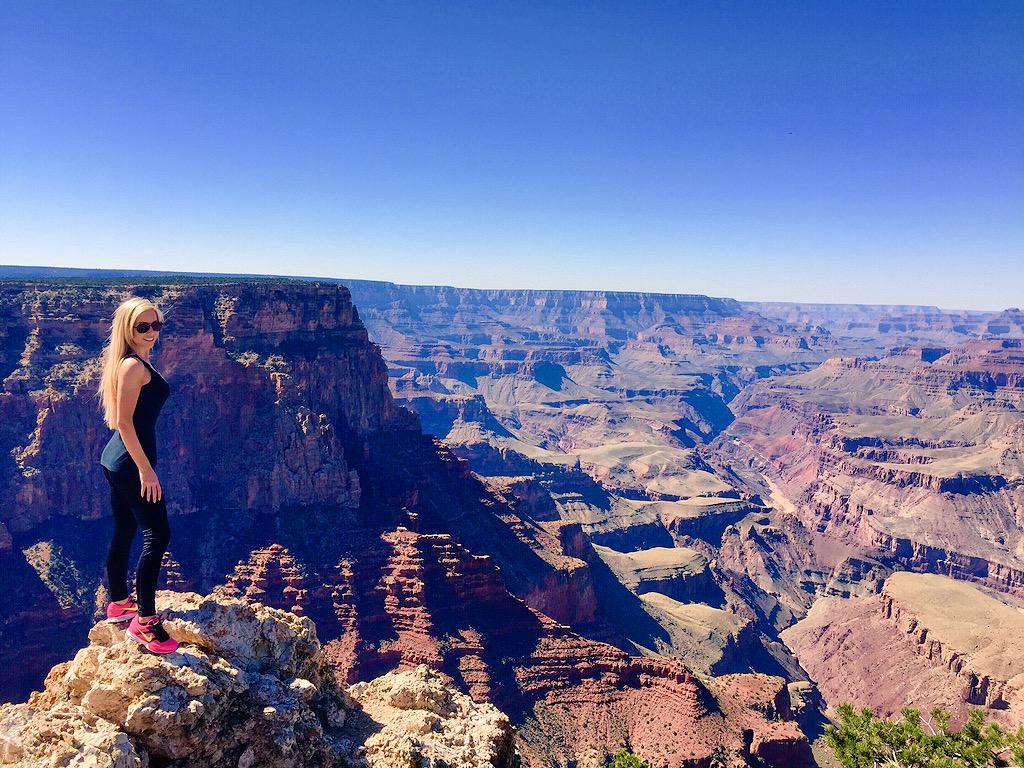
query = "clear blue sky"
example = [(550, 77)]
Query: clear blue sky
[(811, 151)]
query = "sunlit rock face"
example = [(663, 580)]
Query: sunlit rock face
[(917, 457), (948, 643), (248, 686)]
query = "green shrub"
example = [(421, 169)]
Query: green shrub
[(863, 740), (626, 759)]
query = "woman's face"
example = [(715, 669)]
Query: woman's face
[(143, 342)]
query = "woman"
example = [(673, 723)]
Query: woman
[(133, 393)]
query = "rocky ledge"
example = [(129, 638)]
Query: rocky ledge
[(249, 686)]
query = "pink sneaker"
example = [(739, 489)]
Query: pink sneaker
[(143, 634), (116, 612)]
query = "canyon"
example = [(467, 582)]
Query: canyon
[(357, 519), (694, 523), (785, 453)]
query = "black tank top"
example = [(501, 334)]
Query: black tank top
[(151, 399)]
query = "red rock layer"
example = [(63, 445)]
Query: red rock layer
[(846, 645), (270, 576), (832, 439)]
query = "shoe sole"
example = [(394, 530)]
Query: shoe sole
[(118, 619), (143, 644)]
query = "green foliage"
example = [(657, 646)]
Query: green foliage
[(862, 740), (626, 759)]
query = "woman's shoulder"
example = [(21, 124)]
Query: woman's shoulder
[(130, 364)]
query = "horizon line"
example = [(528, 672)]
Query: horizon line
[(127, 272)]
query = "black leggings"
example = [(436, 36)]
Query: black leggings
[(131, 510)]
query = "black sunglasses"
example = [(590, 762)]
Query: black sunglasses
[(156, 325)]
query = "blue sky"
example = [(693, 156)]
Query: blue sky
[(812, 151)]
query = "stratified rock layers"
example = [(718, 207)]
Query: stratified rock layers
[(920, 462), (936, 641), (251, 365)]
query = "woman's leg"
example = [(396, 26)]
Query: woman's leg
[(151, 517), (121, 542), (156, 534)]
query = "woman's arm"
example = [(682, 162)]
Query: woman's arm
[(130, 377)]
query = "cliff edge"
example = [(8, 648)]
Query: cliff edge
[(249, 686)]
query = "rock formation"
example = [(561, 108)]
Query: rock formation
[(414, 718), (248, 686), (937, 641), (919, 463)]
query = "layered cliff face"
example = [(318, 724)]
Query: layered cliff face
[(917, 458), (250, 365), (587, 412), (293, 479), (876, 328), (575, 371), (942, 643)]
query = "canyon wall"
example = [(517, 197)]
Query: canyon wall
[(916, 458), (942, 642)]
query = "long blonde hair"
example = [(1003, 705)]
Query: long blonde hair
[(115, 350)]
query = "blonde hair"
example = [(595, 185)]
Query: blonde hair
[(117, 348)]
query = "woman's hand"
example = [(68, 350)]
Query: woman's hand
[(151, 490)]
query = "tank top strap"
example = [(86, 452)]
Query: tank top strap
[(139, 358)]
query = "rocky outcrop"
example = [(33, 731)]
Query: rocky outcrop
[(248, 686), (414, 718), (676, 572), (974, 636)]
